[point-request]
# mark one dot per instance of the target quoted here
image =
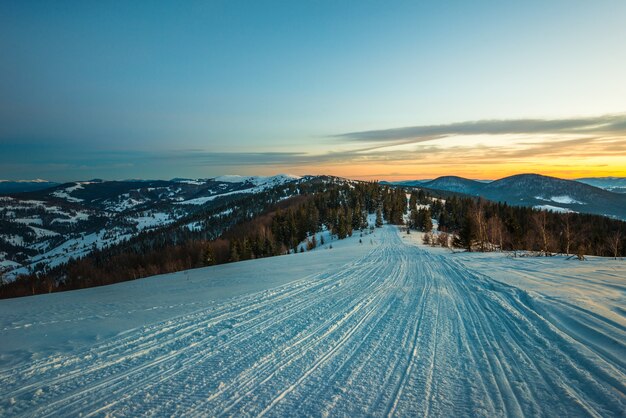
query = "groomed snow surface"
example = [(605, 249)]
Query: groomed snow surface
[(386, 327)]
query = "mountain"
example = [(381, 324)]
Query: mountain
[(19, 186), (539, 191), (612, 184), (44, 228), (454, 184), (406, 183)]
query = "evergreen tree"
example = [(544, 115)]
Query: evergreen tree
[(379, 218), (466, 235), (427, 224)]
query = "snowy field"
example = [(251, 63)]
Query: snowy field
[(386, 327)]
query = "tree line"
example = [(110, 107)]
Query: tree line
[(480, 225), (253, 230), (265, 225)]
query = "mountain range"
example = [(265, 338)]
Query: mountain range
[(44, 228), (41, 229), (20, 186), (541, 192)]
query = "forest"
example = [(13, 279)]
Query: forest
[(475, 224), (262, 227)]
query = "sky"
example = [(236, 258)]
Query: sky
[(359, 89)]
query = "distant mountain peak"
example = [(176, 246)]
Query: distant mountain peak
[(26, 181), (535, 190), (257, 180)]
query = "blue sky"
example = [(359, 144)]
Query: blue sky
[(201, 88)]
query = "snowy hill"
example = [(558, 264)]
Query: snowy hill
[(44, 228), (538, 191), (383, 328)]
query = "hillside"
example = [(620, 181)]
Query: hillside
[(42, 229), (95, 233), (542, 192), (454, 184)]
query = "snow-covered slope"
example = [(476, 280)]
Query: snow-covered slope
[(381, 328), (45, 228)]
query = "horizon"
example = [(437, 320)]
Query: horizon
[(39, 180), (364, 91)]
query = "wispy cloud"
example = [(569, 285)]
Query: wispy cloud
[(606, 124), (548, 146)]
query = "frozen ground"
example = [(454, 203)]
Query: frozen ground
[(386, 327)]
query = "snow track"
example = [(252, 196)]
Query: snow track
[(398, 332)]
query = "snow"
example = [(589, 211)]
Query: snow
[(203, 200), (41, 232), (76, 217), (12, 239), (8, 264), (28, 221), (152, 220), (75, 247), (224, 213), (261, 183), (194, 226), (125, 202), (565, 200), (189, 181), (553, 208), (257, 180), (384, 328), (231, 178), (65, 193), (25, 181)]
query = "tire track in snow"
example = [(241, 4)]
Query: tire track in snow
[(121, 380), (400, 331)]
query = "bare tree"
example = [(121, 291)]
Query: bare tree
[(443, 239), (494, 232), (481, 224), (567, 232), (614, 242), (580, 252), (540, 220)]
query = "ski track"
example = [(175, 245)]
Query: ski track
[(400, 331)]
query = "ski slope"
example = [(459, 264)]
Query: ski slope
[(383, 328)]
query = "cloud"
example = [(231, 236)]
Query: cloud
[(606, 124), (200, 157), (457, 147)]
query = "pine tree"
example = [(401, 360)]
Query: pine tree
[(466, 235), (379, 218), (427, 224), (356, 217)]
